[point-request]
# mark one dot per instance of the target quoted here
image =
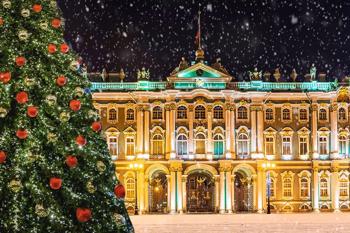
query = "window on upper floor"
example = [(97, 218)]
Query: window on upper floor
[(269, 114), (218, 112), (113, 146), (323, 145), (157, 113), (130, 114), (200, 143), (303, 145), (341, 114), (322, 114), (242, 113), (112, 114), (343, 145), (243, 146), (303, 114), (182, 144), (130, 146), (218, 146), (286, 145), (181, 112), (199, 112), (286, 114), (157, 144), (269, 145)]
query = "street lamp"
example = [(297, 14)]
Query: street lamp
[(267, 166), (136, 167)]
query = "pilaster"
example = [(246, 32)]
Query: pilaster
[(314, 109), (334, 131)]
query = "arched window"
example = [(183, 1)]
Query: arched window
[(322, 115), (130, 114), (269, 114), (269, 145), (343, 187), (242, 113), (218, 146), (243, 147), (287, 187), (324, 187), (157, 113), (341, 114), (199, 112), (304, 187), (157, 144), (182, 144), (303, 114), (200, 143), (218, 112), (342, 145), (130, 188), (182, 112), (112, 114), (286, 114)]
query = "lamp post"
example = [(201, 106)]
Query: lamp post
[(267, 166), (136, 167)]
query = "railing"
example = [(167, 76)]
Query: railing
[(141, 85)]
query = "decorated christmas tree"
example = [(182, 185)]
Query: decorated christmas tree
[(56, 174)]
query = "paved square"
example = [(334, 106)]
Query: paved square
[(242, 223)]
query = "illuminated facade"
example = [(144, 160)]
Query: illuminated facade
[(205, 143)]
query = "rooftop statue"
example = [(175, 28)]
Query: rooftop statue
[(313, 72), (183, 64), (143, 74), (255, 75), (277, 74), (122, 75), (218, 66), (294, 75)]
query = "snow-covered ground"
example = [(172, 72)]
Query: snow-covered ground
[(239, 223)]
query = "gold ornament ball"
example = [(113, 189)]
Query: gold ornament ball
[(79, 91), (25, 13), (43, 25), (101, 167), (29, 82), (40, 210), (53, 4), (23, 35), (74, 65), (51, 100), (51, 137), (6, 4), (15, 185), (32, 157), (90, 187), (64, 116), (3, 112)]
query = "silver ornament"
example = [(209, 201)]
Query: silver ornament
[(119, 219), (51, 100), (25, 13), (3, 112), (6, 4), (15, 185), (23, 35), (101, 167)]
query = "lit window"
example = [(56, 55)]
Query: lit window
[(218, 146), (130, 115), (286, 145), (157, 113), (113, 146), (269, 145), (303, 145), (242, 144), (182, 112), (199, 112), (269, 114), (342, 145), (324, 187), (157, 144), (218, 112), (343, 187), (130, 188), (322, 114), (182, 145), (304, 187), (342, 114), (303, 114), (242, 113), (272, 187), (287, 187), (323, 144), (200, 144), (286, 114), (130, 146), (112, 114)]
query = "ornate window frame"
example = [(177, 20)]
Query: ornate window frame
[(323, 133), (113, 133), (245, 105), (130, 186), (129, 133), (290, 109), (110, 107), (219, 131), (325, 175), (274, 178), (185, 110), (179, 132), (304, 133), (287, 175), (324, 107), (200, 130), (345, 107), (287, 132), (307, 114), (244, 131), (305, 175), (222, 114), (270, 133), (157, 131), (344, 177), (132, 108), (157, 105), (269, 107)]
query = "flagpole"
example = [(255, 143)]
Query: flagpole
[(199, 29)]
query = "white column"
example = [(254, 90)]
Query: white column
[(314, 109), (179, 191), (139, 132), (315, 188), (222, 192), (233, 133), (146, 134), (172, 131), (335, 189), (217, 193), (255, 192), (140, 191), (173, 191), (168, 177), (233, 192), (228, 192), (167, 132), (334, 131), (253, 149), (184, 193), (260, 190), (146, 189), (190, 132), (210, 134), (260, 132), (228, 131)]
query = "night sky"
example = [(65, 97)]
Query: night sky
[(244, 34)]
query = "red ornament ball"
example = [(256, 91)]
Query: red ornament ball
[(51, 48), (37, 8), (32, 111), (75, 105), (64, 48), (20, 61), (56, 23), (22, 134), (71, 161), (22, 97), (96, 126), (5, 77), (119, 191), (55, 183), (83, 214), (80, 140), (2, 156), (61, 81), (1, 21)]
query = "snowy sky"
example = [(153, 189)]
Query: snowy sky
[(243, 33)]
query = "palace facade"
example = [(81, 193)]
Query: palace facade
[(203, 142)]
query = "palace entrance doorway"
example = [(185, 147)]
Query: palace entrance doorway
[(158, 196), (243, 192)]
